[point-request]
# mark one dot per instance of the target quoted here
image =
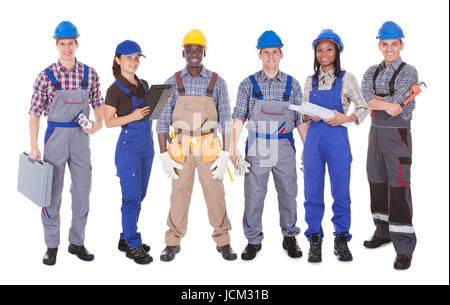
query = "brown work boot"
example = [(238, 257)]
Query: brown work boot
[(50, 256), (402, 262), (169, 253), (227, 252), (81, 252), (293, 249), (250, 251), (375, 242)]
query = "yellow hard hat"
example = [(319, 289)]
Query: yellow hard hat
[(195, 37)]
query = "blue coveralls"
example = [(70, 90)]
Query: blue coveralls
[(330, 145), (134, 158)]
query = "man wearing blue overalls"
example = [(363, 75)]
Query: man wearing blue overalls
[(63, 91), (263, 100)]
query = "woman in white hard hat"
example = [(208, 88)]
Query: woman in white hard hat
[(327, 143), (134, 150)]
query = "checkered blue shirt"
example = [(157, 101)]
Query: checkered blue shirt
[(405, 79), (196, 86), (271, 89)]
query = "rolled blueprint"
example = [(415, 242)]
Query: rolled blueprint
[(315, 110)]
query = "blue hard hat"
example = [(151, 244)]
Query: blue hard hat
[(390, 30), (128, 47), (66, 29), (269, 39), (329, 34)]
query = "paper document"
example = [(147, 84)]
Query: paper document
[(315, 110)]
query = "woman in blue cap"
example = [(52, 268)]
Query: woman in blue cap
[(327, 143), (134, 150)]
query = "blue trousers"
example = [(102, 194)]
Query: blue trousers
[(328, 145), (134, 159)]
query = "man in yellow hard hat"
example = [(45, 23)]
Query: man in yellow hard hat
[(198, 107)]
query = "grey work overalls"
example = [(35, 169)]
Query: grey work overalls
[(270, 148), (66, 142), (388, 171)]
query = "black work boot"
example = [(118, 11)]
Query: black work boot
[(123, 245), (50, 256), (250, 251), (139, 255), (341, 248), (293, 249), (169, 253), (227, 252), (402, 262), (315, 249), (81, 252), (375, 242)]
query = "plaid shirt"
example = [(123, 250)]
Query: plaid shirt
[(196, 86), (44, 92), (405, 79), (272, 90), (350, 92)]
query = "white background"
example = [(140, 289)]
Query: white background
[(232, 29)]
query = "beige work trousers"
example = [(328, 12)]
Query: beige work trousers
[(214, 193)]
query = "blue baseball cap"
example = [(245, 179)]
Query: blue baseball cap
[(128, 47)]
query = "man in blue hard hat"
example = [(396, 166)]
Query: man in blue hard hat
[(62, 92), (263, 100), (385, 86)]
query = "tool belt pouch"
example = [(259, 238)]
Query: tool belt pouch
[(211, 148), (178, 149)]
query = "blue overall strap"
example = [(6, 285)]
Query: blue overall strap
[(125, 90), (85, 81), (145, 88), (53, 79), (269, 136), (70, 124), (51, 125), (287, 92), (256, 90)]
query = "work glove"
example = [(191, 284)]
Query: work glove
[(169, 165), (242, 167), (221, 165)]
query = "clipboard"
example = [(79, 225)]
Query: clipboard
[(157, 98), (35, 180)]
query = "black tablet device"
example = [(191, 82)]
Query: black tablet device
[(157, 98)]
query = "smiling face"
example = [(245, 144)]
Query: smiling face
[(326, 54), (194, 55), (271, 58), (128, 63), (391, 49), (66, 48)]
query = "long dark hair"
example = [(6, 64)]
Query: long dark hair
[(337, 62), (116, 67)]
